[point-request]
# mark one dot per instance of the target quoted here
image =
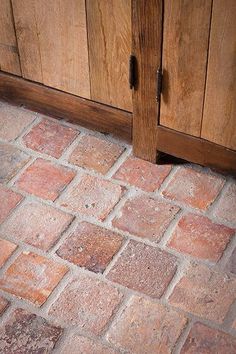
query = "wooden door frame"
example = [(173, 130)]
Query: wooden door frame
[(150, 138)]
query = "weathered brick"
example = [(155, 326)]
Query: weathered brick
[(199, 237), (226, 205), (37, 224), (50, 138), (146, 327), (11, 161), (194, 188), (145, 217), (93, 196), (144, 268), (76, 344), (90, 246), (142, 174), (95, 154), (6, 250), (3, 304), (204, 293), (203, 339), (32, 277), (45, 179), (13, 120), (87, 303), (9, 200), (25, 332), (231, 264)]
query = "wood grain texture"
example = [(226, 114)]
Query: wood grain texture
[(146, 46), (219, 118), (196, 150), (109, 36), (63, 105), (9, 59), (185, 47), (52, 38)]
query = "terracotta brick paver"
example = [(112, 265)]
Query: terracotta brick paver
[(144, 268), (203, 339), (200, 237), (87, 303), (32, 277), (95, 154), (142, 174), (90, 246), (93, 196), (194, 188), (9, 200), (37, 224), (6, 250), (24, 332), (45, 179), (50, 138), (104, 253), (145, 217)]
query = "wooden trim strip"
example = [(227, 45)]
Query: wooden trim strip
[(59, 104), (196, 150)]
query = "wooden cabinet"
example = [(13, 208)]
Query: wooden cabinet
[(72, 57)]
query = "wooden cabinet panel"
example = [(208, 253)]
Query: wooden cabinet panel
[(109, 35), (185, 47), (9, 59), (219, 118), (52, 39)]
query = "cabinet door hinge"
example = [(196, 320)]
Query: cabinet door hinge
[(159, 84), (132, 60)]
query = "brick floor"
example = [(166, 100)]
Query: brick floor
[(90, 266)]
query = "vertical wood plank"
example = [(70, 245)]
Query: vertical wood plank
[(9, 59), (147, 38), (109, 35), (219, 118), (52, 38), (185, 47)]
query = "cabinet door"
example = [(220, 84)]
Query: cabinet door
[(185, 47), (9, 60), (219, 118), (52, 39)]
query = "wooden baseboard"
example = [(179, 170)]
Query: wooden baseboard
[(59, 104), (196, 150)]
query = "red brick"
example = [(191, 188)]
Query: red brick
[(32, 277), (13, 120), (50, 138), (145, 217), (142, 174), (3, 304), (90, 246), (95, 154), (203, 339), (226, 206), (199, 237), (196, 189), (25, 332), (11, 161), (93, 196), (9, 200), (37, 224), (144, 268), (6, 250), (87, 303), (146, 327), (231, 264), (204, 293), (45, 179), (76, 344)]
